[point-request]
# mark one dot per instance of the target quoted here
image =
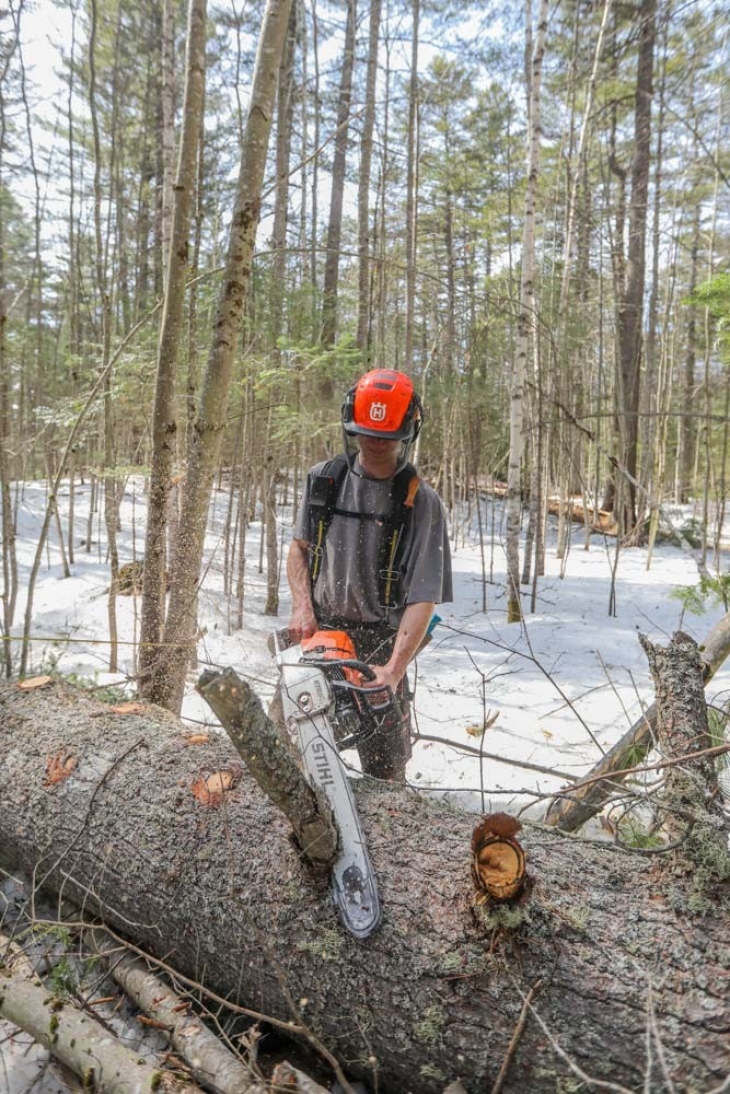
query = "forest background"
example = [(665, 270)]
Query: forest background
[(527, 211)]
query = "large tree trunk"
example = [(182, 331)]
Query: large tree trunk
[(114, 809), (167, 682), (630, 292), (164, 419)]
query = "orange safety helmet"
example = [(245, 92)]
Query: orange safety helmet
[(383, 404)]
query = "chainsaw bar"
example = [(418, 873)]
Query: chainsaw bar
[(309, 706)]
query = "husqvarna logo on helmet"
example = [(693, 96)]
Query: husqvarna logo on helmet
[(378, 412)]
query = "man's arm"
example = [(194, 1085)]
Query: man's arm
[(411, 632), (303, 622)]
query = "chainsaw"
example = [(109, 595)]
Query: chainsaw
[(328, 709)]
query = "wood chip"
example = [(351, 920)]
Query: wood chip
[(59, 767), (34, 682)]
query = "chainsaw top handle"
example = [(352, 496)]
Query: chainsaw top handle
[(342, 662)]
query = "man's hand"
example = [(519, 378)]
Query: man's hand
[(302, 623), (383, 677)]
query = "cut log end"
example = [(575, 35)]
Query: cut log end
[(498, 859)]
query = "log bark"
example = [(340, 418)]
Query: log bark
[(690, 802), (439, 993)]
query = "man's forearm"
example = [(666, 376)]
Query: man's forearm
[(297, 572), (303, 622), (411, 632)]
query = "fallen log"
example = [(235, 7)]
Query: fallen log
[(597, 520), (108, 809), (211, 1063), (75, 1038)]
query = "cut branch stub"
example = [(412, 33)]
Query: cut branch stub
[(270, 762), (498, 863)]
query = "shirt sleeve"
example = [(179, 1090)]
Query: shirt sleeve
[(301, 523), (427, 565)]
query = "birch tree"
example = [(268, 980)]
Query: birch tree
[(526, 317), (334, 230)]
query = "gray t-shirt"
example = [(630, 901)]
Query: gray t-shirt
[(347, 585)]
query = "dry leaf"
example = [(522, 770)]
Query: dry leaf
[(34, 682), (129, 708), (197, 739), (478, 728), (58, 768), (210, 791)]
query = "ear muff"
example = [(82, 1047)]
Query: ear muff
[(348, 407), (415, 412)]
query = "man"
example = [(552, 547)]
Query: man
[(370, 553)]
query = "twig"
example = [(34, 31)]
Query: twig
[(497, 759), (716, 750), (514, 1040), (600, 1084)]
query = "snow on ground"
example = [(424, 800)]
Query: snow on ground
[(558, 691)]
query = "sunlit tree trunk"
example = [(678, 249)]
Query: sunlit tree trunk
[(364, 317), (10, 570), (688, 426), (164, 420), (168, 682), (630, 292), (411, 190), (10, 564), (105, 318), (284, 117), (167, 136), (526, 319), (334, 230)]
